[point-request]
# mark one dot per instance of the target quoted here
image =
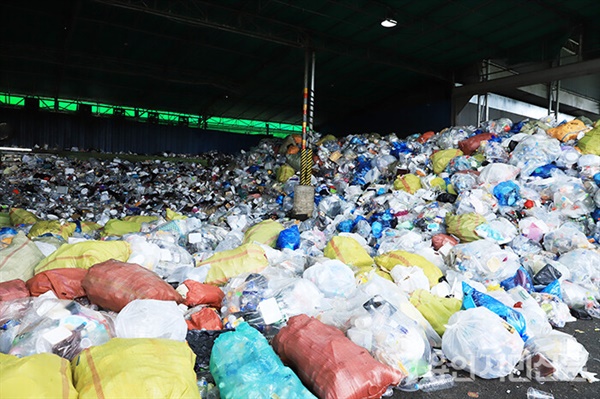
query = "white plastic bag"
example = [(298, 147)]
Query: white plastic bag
[(333, 278), (479, 341), (410, 278), (564, 352), (150, 318)]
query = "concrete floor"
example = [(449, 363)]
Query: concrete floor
[(587, 333)]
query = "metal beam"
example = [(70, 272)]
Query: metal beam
[(525, 79)]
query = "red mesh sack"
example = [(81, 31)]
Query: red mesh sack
[(470, 145), (205, 319), (203, 294), (65, 283), (425, 137), (113, 284), (13, 289), (439, 240), (329, 364)]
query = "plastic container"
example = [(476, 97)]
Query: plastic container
[(533, 393)]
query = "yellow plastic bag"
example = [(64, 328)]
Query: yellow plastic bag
[(463, 226), (5, 219), (435, 309), (141, 219), (21, 216), (116, 227), (84, 255), (409, 183), (87, 227), (265, 232), (53, 227), (44, 375), (172, 215), (247, 258), (391, 259), (590, 143), (136, 368), (18, 260), (348, 251), (567, 131), (284, 173), (442, 158)]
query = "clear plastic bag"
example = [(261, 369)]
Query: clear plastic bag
[(566, 238), (567, 356), (535, 151), (478, 340), (150, 318), (333, 278), (484, 261)]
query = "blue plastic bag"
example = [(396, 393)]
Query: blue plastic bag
[(522, 278), (507, 193), (245, 366), (289, 238), (473, 298), (553, 288)]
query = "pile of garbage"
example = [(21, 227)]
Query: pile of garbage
[(465, 247)]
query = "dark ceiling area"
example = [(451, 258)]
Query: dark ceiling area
[(245, 59)]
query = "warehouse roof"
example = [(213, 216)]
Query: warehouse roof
[(245, 59)]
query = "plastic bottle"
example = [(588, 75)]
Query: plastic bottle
[(533, 393), (436, 383)]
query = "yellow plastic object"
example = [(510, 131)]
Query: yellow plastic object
[(590, 143), (136, 368), (436, 310), (441, 159), (463, 226), (284, 172), (140, 219), (348, 251), (409, 183), (54, 227), (116, 227), (265, 232), (84, 255), (567, 131), (87, 227), (172, 215), (5, 219), (391, 259), (44, 375), (18, 260), (247, 258), (21, 216)]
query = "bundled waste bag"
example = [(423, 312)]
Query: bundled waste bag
[(473, 298), (195, 293), (18, 260), (84, 255), (463, 226), (392, 259), (265, 232), (47, 324), (53, 227), (136, 368), (65, 283), (13, 289), (247, 258), (348, 251), (149, 318), (20, 216), (201, 342), (331, 365), (289, 238), (43, 375), (392, 338), (435, 309), (113, 284), (244, 365), (565, 354), (479, 341)]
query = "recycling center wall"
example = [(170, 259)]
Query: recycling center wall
[(64, 131)]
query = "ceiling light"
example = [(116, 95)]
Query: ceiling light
[(389, 23)]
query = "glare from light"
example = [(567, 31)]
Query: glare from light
[(389, 23), (15, 149)]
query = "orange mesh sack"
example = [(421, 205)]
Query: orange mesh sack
[(65, 283), (329, 364), (113, 284), (470, 145), (13, 289)]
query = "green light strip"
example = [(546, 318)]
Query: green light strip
[(241, 126)]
